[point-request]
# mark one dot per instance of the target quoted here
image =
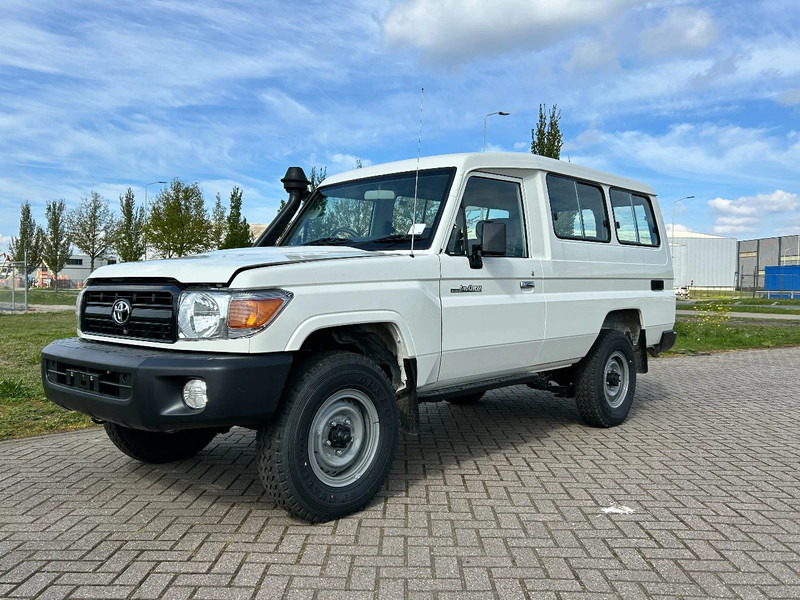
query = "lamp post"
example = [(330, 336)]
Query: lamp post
[(145, 212), (499, 112), (672, 231)]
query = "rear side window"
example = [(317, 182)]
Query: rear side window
[(633, 216), (578, 209)]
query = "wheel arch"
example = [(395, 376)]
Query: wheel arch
[(629, 322), (382, 340)]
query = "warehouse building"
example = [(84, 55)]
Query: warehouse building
[(755, 255), (703, 261)]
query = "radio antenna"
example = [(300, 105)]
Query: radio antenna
[(416, 176)]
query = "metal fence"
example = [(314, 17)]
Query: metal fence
[(13, 286), (744, 291)]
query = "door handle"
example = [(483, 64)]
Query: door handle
[(527, 284)]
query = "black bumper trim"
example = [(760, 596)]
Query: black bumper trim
[(142, 388), (668, 339)]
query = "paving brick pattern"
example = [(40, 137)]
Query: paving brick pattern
[(502, 499)]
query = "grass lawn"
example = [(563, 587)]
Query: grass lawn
[(719, 332), (24, 411), (749, 305), (36, 296)]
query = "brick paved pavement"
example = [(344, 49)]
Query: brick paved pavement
[(501, 499)]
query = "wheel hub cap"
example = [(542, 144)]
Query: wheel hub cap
[(343, 439)]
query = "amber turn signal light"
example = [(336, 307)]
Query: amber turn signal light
[(249, 313)]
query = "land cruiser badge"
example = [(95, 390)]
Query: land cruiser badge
[(465, 289)]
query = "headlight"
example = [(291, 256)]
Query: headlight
[(202, 314), (78, 302), (220, 315)]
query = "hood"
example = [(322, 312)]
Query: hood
[(221, 265)]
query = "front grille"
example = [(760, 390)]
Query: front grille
[(151, 317), (106, 383)]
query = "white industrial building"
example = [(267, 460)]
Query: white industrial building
[(702, 260), (78, 269)]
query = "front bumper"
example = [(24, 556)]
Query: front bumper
[(141, 388)]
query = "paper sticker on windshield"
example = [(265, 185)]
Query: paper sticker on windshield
[(416, 229)]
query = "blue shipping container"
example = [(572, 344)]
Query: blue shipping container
[(780, 282)]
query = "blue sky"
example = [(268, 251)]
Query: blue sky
[(695, 98)]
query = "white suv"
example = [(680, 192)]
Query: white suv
[(387, 286)]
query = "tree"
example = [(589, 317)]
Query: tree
[(91, 227), (238, 233), (56, 249), (178, 224), (317, 177), (28, 246), (219, 225), (129, 232), (546, 139)]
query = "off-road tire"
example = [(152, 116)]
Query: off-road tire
[(158, 447), (331, 447), (605, 380)]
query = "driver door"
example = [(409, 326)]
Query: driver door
[(493, 317)]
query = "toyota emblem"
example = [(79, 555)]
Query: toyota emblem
[(121, 311)]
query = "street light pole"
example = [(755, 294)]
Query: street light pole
[(499, 112), (145, 213), (672, 230)]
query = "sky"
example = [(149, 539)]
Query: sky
[(695, 98)]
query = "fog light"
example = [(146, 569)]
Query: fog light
[(194, 394)]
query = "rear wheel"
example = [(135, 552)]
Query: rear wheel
[(158, 447), (332, 446), (605, 381)]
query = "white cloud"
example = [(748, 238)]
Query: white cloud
[(706, 151), (453, 31), (678, 228), (776, 202), (719, 69), (684, 30), (789, 97), (747, 213), (596, 55)]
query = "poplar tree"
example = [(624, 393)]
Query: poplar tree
[(129, 232), (219, 225), (238, 234), (546, 139), (56, 248), (28, 246)]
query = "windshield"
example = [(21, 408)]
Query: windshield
[(375, 213)]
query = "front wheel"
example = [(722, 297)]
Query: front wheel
[(605, 381), (158, 447), (332, 446)]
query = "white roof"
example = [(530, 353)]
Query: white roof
[(494, 162), (696, 234)]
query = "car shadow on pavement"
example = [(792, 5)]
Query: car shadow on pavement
[(514, 437)]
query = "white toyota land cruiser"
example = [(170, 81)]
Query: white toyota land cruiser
[(414, 281)]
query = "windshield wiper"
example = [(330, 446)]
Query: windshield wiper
[(329, 241), (395, 238)]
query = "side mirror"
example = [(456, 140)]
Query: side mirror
[(492, 236)]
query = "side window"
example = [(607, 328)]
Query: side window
[(489, 200), (578, 209), (634, 219)]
